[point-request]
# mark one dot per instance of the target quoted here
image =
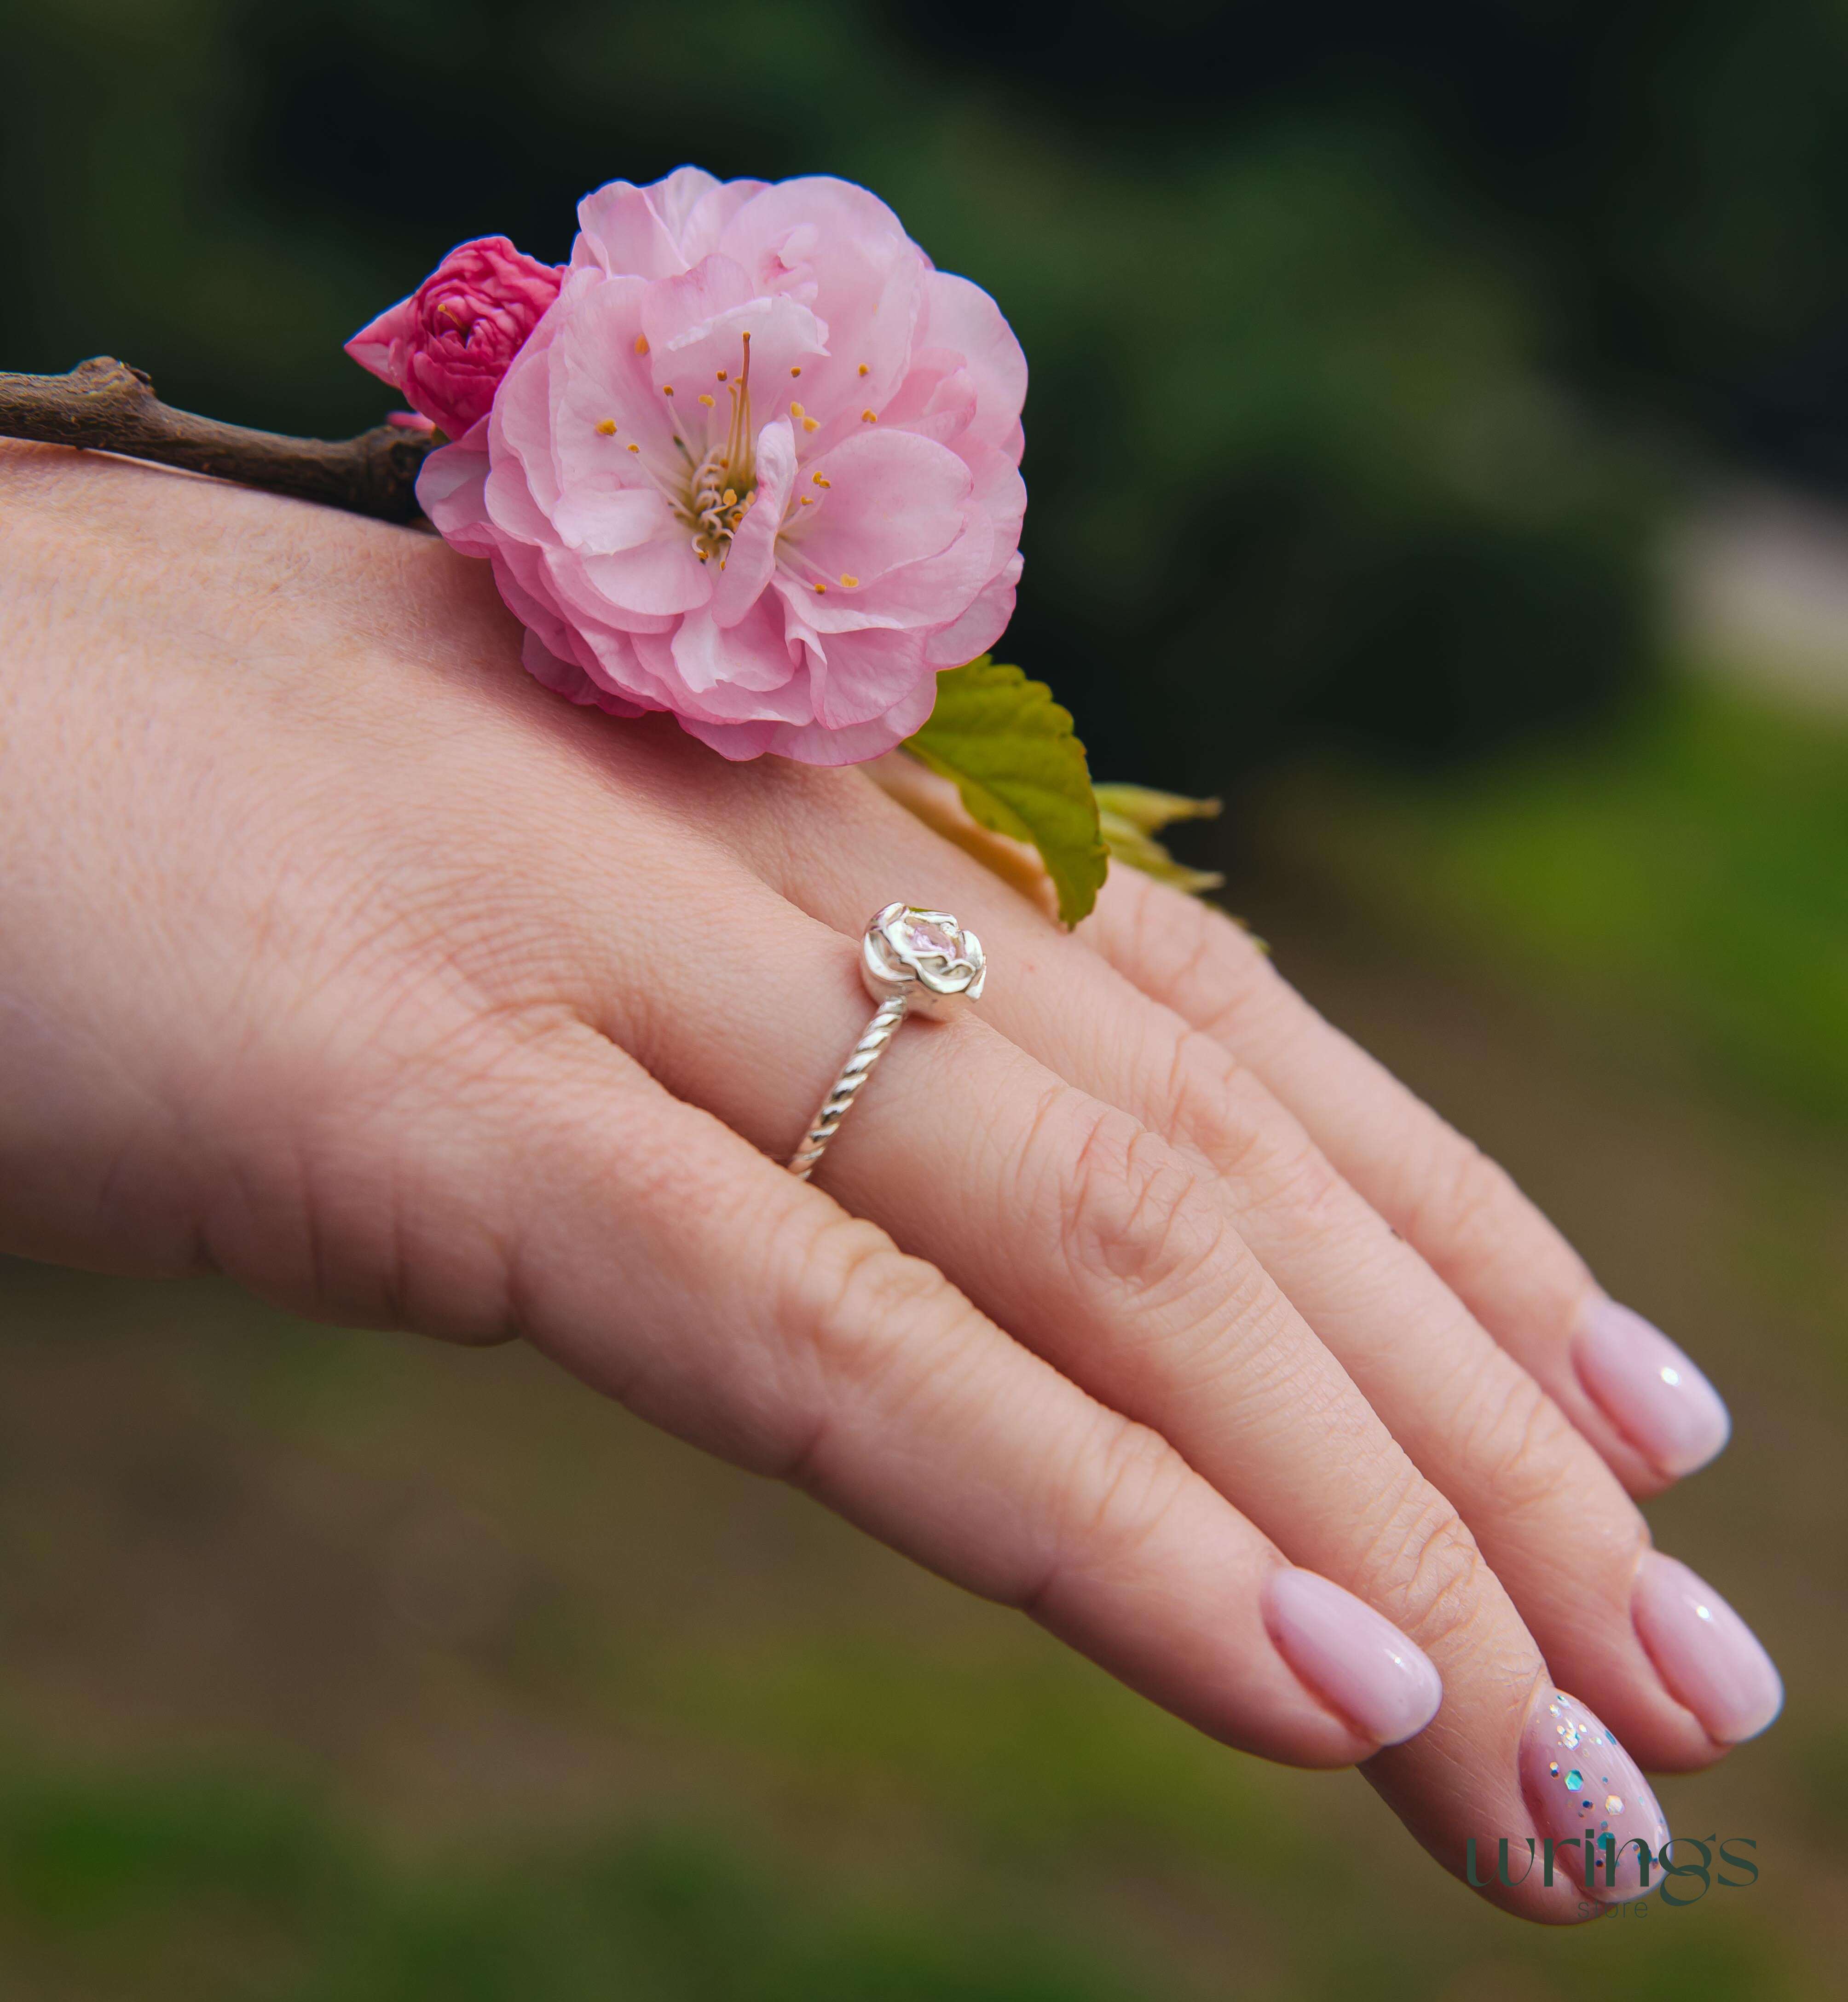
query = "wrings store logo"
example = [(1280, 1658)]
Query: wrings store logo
[(1595, 1862)]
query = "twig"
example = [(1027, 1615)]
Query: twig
[(104, 406)]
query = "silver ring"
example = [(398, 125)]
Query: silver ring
[(910, 959)]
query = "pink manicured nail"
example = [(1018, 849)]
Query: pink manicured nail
[(1648, 1390), (1353, 1658), (1581, 1784), (1709, 1658)]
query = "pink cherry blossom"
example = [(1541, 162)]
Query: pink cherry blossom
[(447, 346), (758, 466)]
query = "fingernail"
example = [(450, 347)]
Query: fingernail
[(1582, 1786), (1709, 1658), (1648, 1390), (1354, 1659)]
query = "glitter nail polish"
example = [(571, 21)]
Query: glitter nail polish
[(1583, 1788)]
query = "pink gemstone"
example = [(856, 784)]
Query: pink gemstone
[(922, 936)]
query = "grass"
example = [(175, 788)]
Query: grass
[(1691, 871), (228, 1888), (222, 1887)]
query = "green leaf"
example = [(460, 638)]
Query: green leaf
[(1130, 817), (1021, 772)]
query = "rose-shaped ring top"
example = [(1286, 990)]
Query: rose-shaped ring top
[(926, 956)]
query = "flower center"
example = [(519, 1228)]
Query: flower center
[(721, 484)]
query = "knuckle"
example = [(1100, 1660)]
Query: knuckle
[(1175, 940), (1287, 1175), (1113, 1496), (1193, 955), (1132, 1212), (1467, 1204), (1526, 1451), (1205, 1095), (1430, 1569), (1222, 1111), (844, 1302)]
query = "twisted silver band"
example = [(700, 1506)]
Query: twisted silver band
[(910, 958), (846, 1088)]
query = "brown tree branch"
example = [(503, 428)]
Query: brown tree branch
[(104, 406)]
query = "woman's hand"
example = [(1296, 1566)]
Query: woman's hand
[(341, 957)]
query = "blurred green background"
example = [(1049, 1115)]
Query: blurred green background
[(1437, 443)]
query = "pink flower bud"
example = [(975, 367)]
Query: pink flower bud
[(446, 348)]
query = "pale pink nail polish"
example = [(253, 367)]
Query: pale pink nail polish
[(1581, 1787), (1648, 1390), (1709, 1658), (1356, 1659)]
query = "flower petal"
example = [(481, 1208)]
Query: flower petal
[(815, 744), (567, 679), (450, 491), (656, 579), (619, 230), (865, 674), (827, 242), (892, 498), (980, 626), (783, 336), (963, 316), (602, 521), (719, 665), (700, 228)]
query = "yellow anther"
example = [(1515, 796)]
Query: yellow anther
[(796, 410), (730, 496), (608, 427), (864, 370), (667, 389), (820, 482), (811, 423), (707, 401), (821, 591), (795, 371), (721, 374), (805, 500), (866, 417), (635, 448), (851, 582), (641, 343)]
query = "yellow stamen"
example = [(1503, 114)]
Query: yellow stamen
[(796, 411), (795, 371), (730, 496), (864, 370), (635, 448), (852, 582), (805, 500), (667, 390), (821, 591), (811, 423), (606, 428), (707, 401), (820, 482), (641, 343), (721, 374), (866, 417)]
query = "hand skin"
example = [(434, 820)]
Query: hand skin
[(341, 957)]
